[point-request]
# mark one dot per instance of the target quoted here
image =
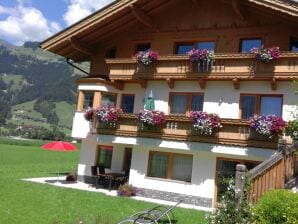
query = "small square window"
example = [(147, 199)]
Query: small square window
[(108, 99), (294, 44), (210, 46), (183, 48), (247, 44), (143, 47)]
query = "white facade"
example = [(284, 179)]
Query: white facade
[(219, 97)]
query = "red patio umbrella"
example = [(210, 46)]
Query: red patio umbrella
[(59, 146)]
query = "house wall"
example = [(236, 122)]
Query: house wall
[(203, 169), (183, 21)]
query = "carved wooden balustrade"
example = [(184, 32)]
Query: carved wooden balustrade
[(233, 132), (225, 66)]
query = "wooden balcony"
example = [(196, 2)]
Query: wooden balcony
[(225, 66), (233, 132)]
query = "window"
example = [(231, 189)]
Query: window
[(247, 44), (104, 156), (181, 103), (294, 44), (143, 47), (210, 46), (88, 99), (183, 48), (170, 166), (251, 105), (226, 168), (111, 53), (108, 99), (127, 103)]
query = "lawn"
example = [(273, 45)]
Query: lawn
[(25, 202)]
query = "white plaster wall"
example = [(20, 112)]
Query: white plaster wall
[(80, 126)]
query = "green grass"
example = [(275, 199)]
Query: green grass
[(25, 202), (65, 112), (17, 80)]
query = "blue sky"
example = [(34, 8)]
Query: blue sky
[(35, 20)]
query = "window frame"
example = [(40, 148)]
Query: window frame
[(292, 39), (258, 102), (127, 94), (108, 93), (169, 171), (194, 44), (188, 101), (108, 148), (84, 99), (141, 43), (249, 38)]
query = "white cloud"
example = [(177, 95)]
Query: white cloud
[(25, 24), (78, 9)]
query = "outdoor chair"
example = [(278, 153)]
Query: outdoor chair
[(99, 180), (154, 215)]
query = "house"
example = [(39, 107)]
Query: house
[(175, 161)]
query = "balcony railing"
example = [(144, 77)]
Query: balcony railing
[(233, 132), (224, 66)]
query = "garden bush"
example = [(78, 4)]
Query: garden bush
[(277, 207)]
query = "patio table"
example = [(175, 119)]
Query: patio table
[(111, 177)]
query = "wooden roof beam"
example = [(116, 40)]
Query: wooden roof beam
[(238, 9), (80, 46), (143, 17)]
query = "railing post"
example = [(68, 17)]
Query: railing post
[(282, 146), (240, 183)]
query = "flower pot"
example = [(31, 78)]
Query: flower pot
[(142, 68), (107, 125), (149, 128), (202, 66), (253, 135), (200, 133)]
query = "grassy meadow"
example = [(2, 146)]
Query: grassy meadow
[(25, 202)]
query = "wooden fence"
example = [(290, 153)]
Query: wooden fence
[(271, 174)]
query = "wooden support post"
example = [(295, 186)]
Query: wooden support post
[(240, 183), (80, 104)]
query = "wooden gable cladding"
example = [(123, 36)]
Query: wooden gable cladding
[(127, 16)]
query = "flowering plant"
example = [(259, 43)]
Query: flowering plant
[(205, 123), (266, 54), (127, 190), (147, 57), (269, 125), (292, 129), (149, 117), (89, 114), (108, 114), (200, 55)]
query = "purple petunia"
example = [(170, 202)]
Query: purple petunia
[(205, 123)]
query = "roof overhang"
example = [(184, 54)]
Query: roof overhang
[(81, 40)]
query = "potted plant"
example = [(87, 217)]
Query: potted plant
[(202, 58), (108, 116), (151, 120), (266, 54), (292, 129), (127, 190), (146, 57), (204, 123), (268, 126)]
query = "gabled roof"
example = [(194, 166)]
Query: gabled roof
[(78, 41)]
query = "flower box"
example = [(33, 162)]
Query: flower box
[(204, 123), (268, 126), (266, 55), (146, 57), (141, 68), (149, 128), (107, 125), (253, 135), (202, 66), (202, 60)]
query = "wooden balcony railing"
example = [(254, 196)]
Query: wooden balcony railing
[(224, 66), (233, 132), (273, 173)]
